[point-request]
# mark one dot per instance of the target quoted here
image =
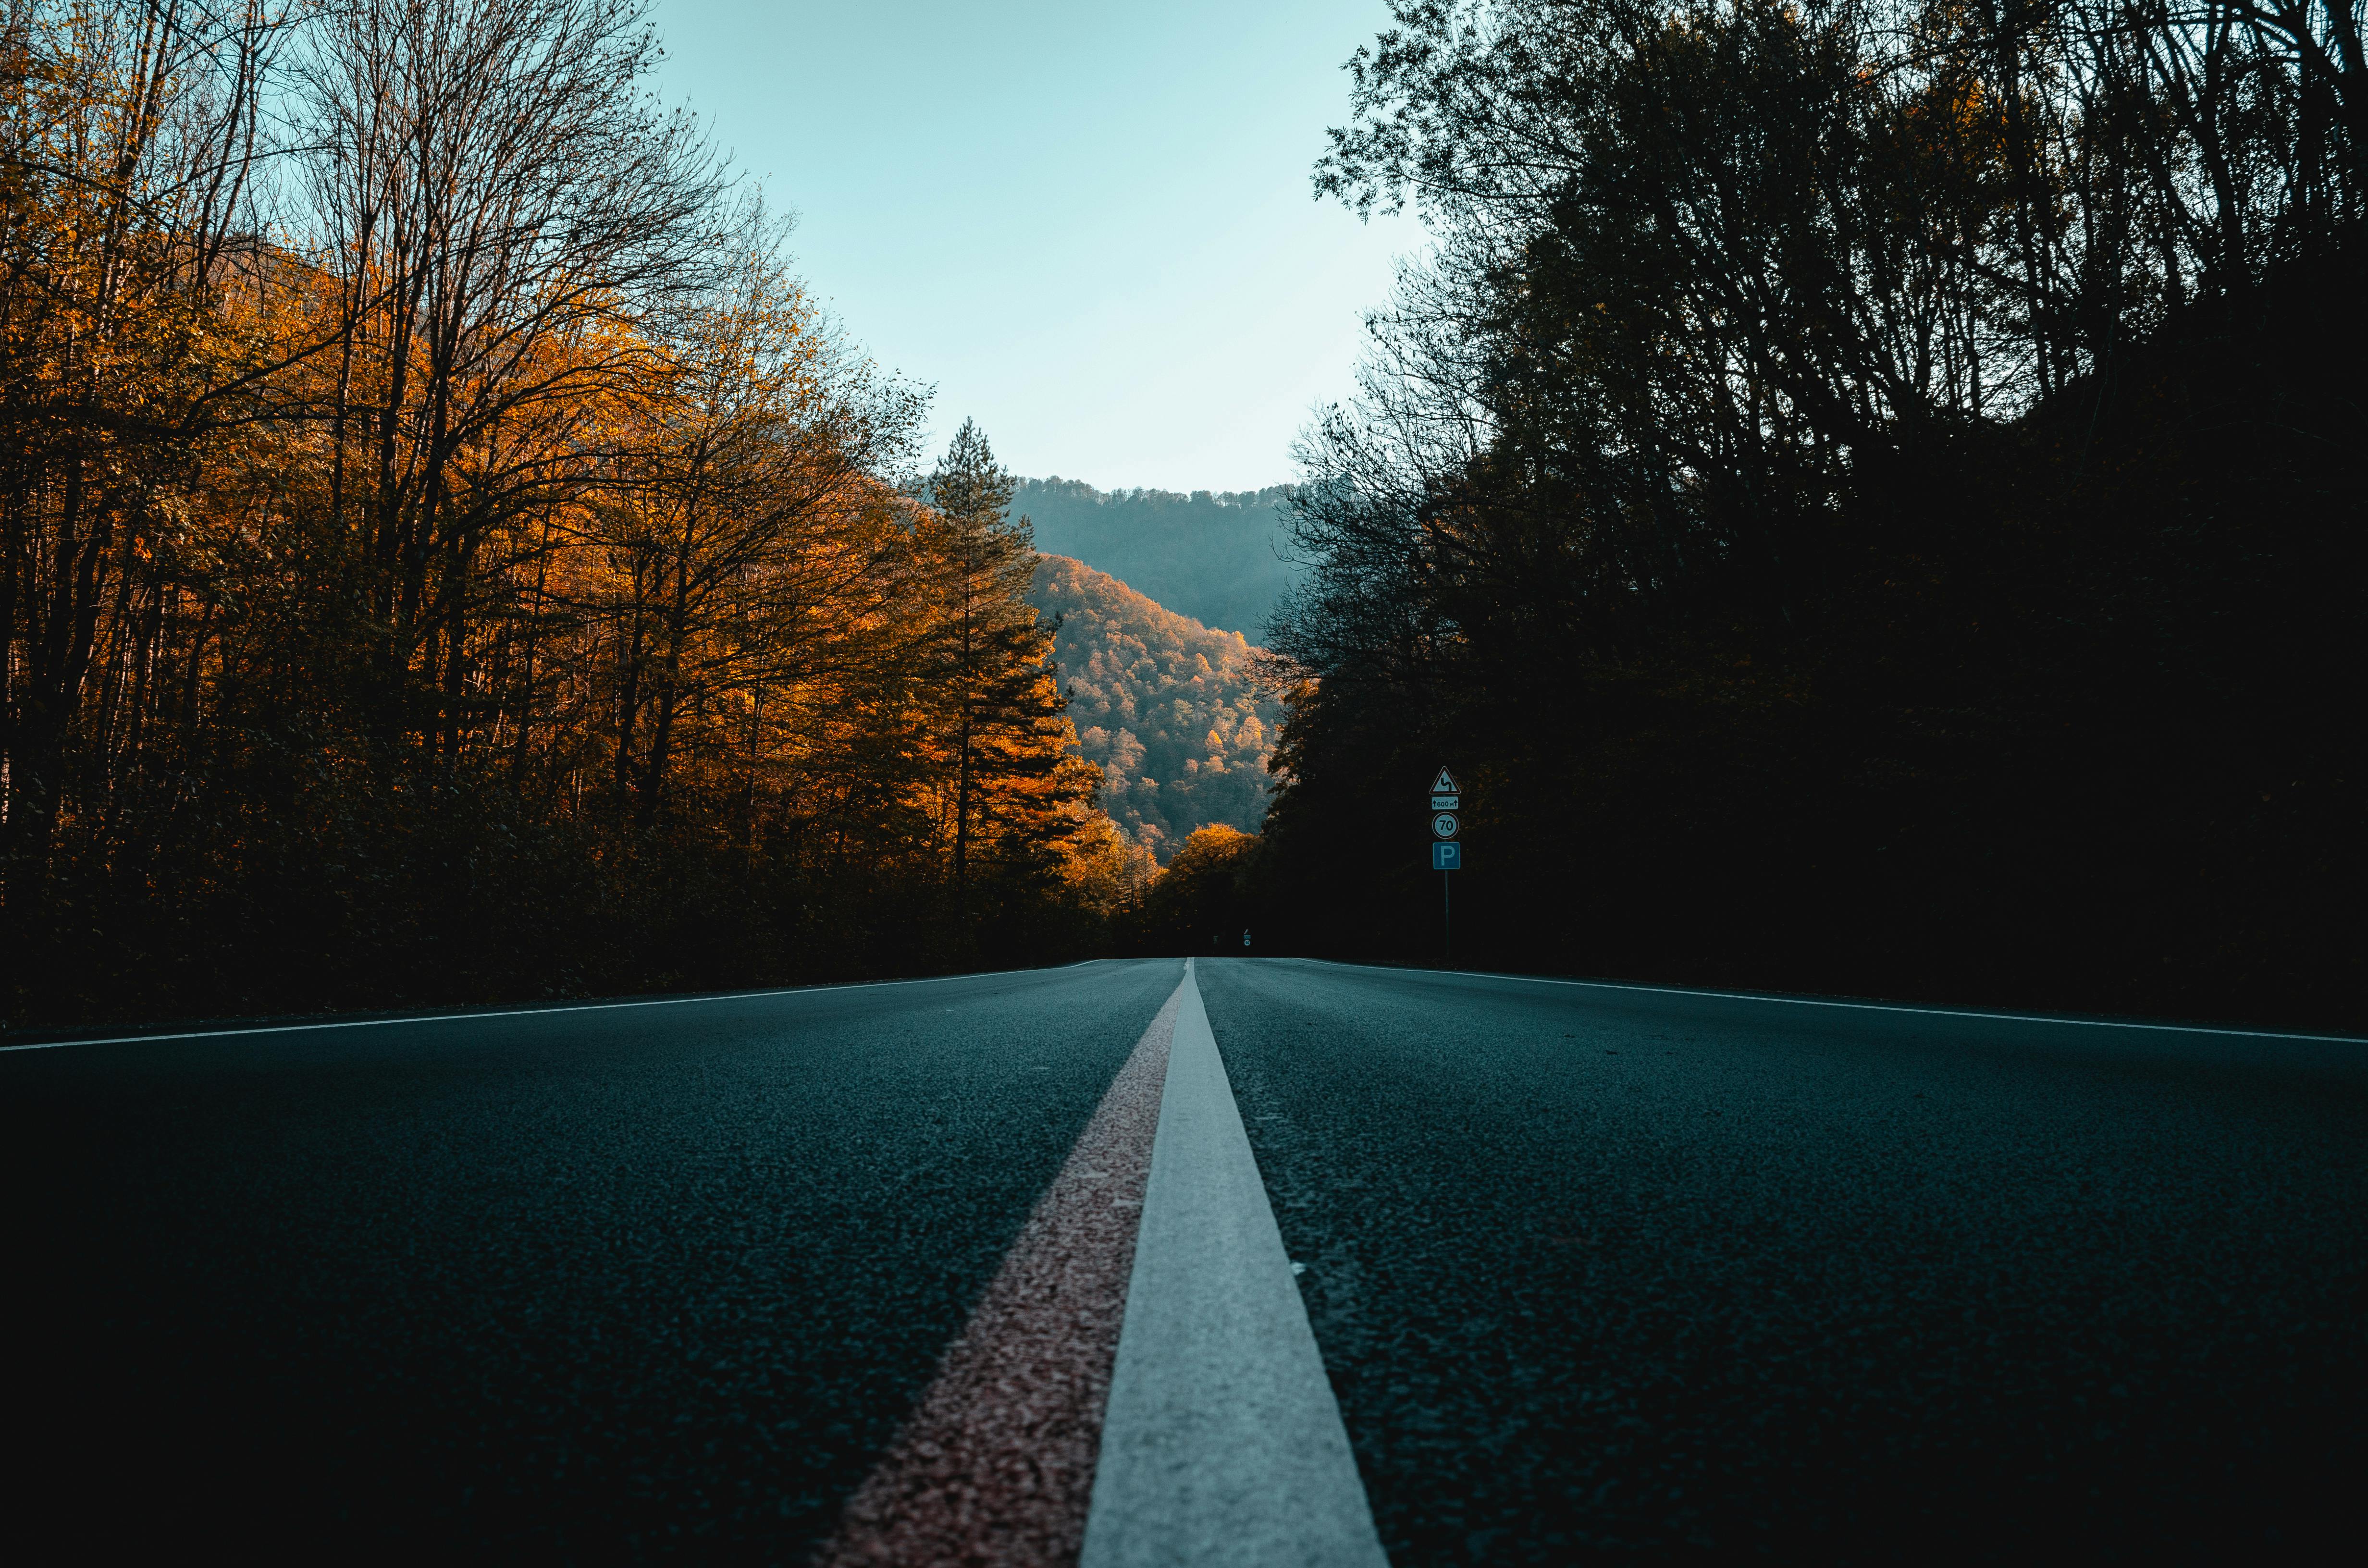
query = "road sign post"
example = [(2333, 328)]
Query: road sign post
[(1446, 855)]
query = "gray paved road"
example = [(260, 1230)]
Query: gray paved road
[(1650, 1276), (1594, 1272), (585, 1285)]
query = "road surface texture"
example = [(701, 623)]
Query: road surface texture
[(1636, 1274), (1593, 1272), (585, 1286)]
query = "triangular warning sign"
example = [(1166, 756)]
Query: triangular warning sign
[(1443, 784)]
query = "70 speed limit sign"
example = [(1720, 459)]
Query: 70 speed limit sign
[(1443, 825)]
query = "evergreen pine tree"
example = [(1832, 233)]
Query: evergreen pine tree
[(1018, 781)]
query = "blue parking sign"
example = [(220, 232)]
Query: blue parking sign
[(1447, 857)]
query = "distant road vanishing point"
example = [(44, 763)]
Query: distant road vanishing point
[(1229, 1261)]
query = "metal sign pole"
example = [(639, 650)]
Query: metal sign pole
[(1447, 917)]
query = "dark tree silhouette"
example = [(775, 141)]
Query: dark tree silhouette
[(1872, 490)]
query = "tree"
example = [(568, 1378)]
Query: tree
[(457, 559), (1015, 781), (750, 559), (129, 153), (1204, 897), (1839, 450), (499, 198)]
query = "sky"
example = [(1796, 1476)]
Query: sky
[(1088, 226)]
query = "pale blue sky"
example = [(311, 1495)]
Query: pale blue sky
[(1088, 224)]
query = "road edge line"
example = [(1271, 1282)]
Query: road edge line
[(1856, 1006), (556, 1007)]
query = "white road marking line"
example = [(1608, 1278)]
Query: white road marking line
[(529, 1012), (1223, 1444), (1860, 1006)]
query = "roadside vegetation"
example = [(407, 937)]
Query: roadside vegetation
[(446, 554), (1866, 494)]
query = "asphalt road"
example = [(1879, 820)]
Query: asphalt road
[(1642, 1275), (1594, 1272), (594, 1285)]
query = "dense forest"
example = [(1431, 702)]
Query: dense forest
[(446, 554), (1866, 495), (1174, 714), (1224, 558)]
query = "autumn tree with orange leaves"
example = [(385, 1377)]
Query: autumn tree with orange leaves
[(445, 553)]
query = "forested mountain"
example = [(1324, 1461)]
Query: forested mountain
[(1164, 705), (1224, 558), (1868, 497)]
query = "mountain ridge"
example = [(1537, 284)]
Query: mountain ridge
[(1221, 558), (1168, 707)]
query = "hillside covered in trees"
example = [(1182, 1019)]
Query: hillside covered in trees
[(1867, 497), (1167, 708), (1225, 559), (446, 554)]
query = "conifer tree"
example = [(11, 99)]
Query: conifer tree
[(1017, 780)]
